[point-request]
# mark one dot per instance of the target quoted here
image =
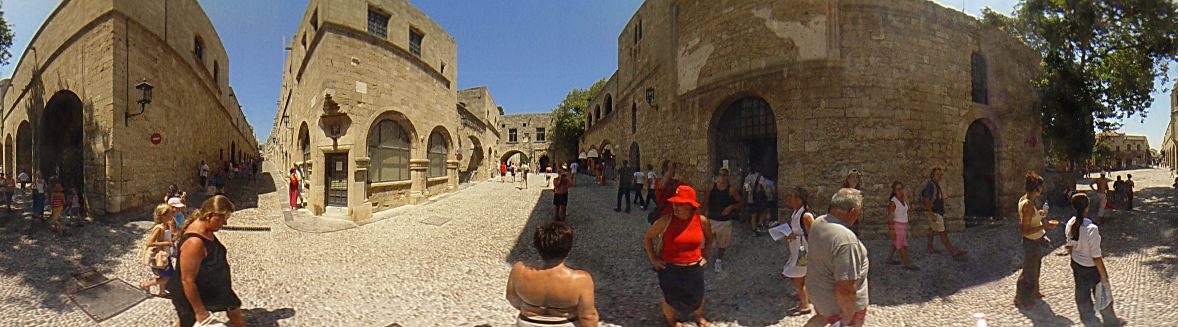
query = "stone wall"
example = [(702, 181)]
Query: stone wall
[(526, 125), (98, 51), (479, 133), (884, 88)]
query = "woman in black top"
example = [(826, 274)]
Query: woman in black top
[(203, 282)]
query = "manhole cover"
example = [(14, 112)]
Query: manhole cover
[(89, 278), (107, 299), (436, 220)]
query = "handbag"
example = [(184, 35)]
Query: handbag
[(210, 322), (1104, 296), (156, 257)]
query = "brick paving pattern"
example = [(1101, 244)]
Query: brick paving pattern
[(399, 270)]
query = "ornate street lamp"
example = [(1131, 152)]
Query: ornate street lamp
[(145, 88)]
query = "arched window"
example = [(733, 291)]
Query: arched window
[(597, 114), (388, 148), (589, 120), (633, 118), (980, 93), (609, 104), (438, 150)]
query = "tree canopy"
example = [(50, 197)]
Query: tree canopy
[(1100, 61), (569, 118), (5, 39)]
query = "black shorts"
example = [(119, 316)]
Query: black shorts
[(560, 199)]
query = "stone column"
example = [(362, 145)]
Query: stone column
[(361, 209), (452, 174), (418, 172)]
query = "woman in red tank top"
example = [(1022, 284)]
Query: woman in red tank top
[(680, 261)]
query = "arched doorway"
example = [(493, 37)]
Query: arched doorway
[(979, 158), (544, 163), (8, 152), (305, 142), (514, 157), (635, 156), (744, 134), (24, 148), (232, 151), (475, 162), (60, 148)]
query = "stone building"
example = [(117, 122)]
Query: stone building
[(77, 108), (369, 111), (1169, 151), (806, 90), (527, 138), (1125, 151), (478, 134)]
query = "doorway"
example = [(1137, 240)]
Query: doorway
[(60, 148), (336, 179), (979, 161), (744, 138)]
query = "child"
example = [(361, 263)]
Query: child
[(57, 205), (73, 205), (160, 239)]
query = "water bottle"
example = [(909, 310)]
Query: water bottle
[(802, 255)]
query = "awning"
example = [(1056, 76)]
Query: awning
[(582, 156), (592, 154)]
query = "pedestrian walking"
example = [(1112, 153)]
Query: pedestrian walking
[(513, 169), (73, 204), (4, 189), (600, 174), (10, 196), (57, 205), (1119, 194), (203, 173), (560, 195), (720, 203), (680, 260), (933, 199), (174, 192), (854, 180), (573, 175), (651, 180), (202, 283), (548, 293), (23, 178), (665, 188), (502, 172), (159, 249), (1101, 194), (39, 199), (625, 180), (762, 199), (898, 225), (639, 185), (1129, 185), (293, 188), (1088, 270), (547, 176), (1034, 240), (523, 173), (178, 206), (800, 223), (838, 264)]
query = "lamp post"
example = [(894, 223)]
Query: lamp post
[(145, 98)]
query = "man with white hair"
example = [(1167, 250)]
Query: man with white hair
[(838, 264)]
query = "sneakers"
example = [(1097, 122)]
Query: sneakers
[(718, 266)]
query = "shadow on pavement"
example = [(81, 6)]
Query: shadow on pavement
[(1154, 223), (259, 317), (244, 192)]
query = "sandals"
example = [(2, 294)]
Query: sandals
[(796, 312)]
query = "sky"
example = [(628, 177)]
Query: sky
[(529, 53)]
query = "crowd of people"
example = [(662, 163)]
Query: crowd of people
[(65, 202), (827, 265)]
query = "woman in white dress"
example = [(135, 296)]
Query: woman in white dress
[(795, 268), (898, 225)]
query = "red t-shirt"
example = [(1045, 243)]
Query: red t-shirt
[(682, 240), (57, 200), (661, 195)]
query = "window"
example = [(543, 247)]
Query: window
[(438, 150), (415, 38), (378, 24), (198, 48), (304, 41), (589, 120), (638, 31), (216, 74), (388, 148), (539, 134), (633, 118), (978, 79), (597, 113), (609, 104), (315, 20), (512, 135)]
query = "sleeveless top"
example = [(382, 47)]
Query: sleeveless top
[(718, 200), (901, 214), (294, 182), (213, 279), (682, 240), (1036, 220)]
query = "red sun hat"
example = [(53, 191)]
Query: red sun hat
[(684, 194)]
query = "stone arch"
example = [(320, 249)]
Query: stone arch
[(511, 153), (8, 152), (304, 142), (597, 113), (60, 139), (979, 171), (609, 104), (476, 160), (437, 147), (390, 143), (401, 120), (743, 131), (24, 148)]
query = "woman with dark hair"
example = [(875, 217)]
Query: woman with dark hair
[(293, 188), (898, 225), (203, 283), (548, 293), (1034, 240), (795, 268), (680, 260), (1083, 243)]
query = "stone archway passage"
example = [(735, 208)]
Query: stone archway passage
[(745, 134), (60, 148), (544, 162), (24, 149), (979, 163), (635, 156)]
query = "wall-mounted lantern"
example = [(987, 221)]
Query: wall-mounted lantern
[(145, 98)]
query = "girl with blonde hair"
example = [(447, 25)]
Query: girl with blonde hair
[(162, 229)]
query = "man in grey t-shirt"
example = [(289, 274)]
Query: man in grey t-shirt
[(837, 268)]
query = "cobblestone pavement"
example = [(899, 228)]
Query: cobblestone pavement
[(399, 270)]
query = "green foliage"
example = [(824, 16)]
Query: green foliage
[(5, 39), (501, 110), (569, 118), (1100, 61)]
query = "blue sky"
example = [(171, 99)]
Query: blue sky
[(528, 52)]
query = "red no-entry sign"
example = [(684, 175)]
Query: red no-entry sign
[(156, 138)]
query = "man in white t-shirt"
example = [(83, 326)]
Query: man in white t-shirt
[(639, 182), (651, 181), (573, 169), (203, 172)]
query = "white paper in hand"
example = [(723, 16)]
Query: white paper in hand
[(780, 232)]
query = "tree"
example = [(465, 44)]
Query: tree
[(501, 110), (569, 118), (1100, 61), (5, 39)]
